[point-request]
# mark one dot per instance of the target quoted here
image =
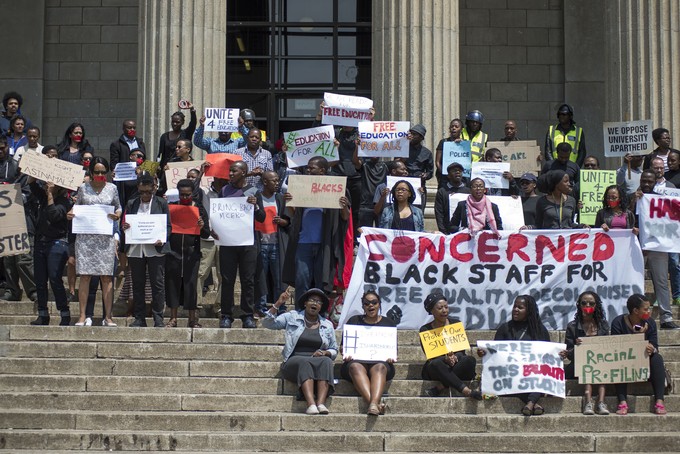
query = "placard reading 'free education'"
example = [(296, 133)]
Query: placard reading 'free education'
[(369, 343), (14, 235), (316, 191), (443, 340), (511, 367), (383, 139), (592, 185), (61, 173), (627, 137), (344, 110), (221, 119), (611, 359), (305, 144)]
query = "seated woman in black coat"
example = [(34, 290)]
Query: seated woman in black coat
[(476, 212), (453, 368), (525, 325)]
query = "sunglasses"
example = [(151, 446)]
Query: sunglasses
[(588, 303), (366, 302), (99, 172)]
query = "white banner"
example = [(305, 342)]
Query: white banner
[(510, 209), (146, 228), (416, 182), (380, 139), (92, 219), (627, 137), (307, 143), (491, 173), (232, 218), (344, 110), (482, 276), (221, 119), (513, 367), (659, 226), (369, 343)]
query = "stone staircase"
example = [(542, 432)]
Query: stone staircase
[(75, 388)]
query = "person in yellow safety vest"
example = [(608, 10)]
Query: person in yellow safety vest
[(473, 133), (245, 124), (565, 131)]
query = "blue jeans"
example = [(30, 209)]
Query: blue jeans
[(674, 272), (271, 273), (49, 260), (308, 266)]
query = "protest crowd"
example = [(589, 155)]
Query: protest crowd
[(292, 216)]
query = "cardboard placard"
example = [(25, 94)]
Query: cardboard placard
[(369, 343), (221, 119), (383, 139), (61, 173), (231, 218), (184, 219), (443, 340), (592, 186), (316, 191), (459, 152), (611, 359), (178, 171), (521, 154), (627, 137), (14, 236), (344, 110), (305, 144)]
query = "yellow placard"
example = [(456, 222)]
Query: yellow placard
[(440, 341)]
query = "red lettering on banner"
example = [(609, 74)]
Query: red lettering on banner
[(330, 188), (517, 242), (375, 237), (332, 111), (426, 245), (603, 247), (484, 249), (543, 369), (574, 246), (660, 208), (543, 242), (455, 241), (403, 248), (381, 126)]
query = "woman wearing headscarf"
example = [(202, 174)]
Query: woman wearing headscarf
[(557, 208)]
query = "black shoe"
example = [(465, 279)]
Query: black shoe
[(249, 322), (476, 395), (138, 323), (40, 321), (65, 320), (158, 321), (433, 392), (9, 296), (225, 322), (669, 325)]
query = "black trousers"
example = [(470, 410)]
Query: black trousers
[(657, 375), (138, 268), (244, 260), (450, 376), (180, 283), (354, 186)]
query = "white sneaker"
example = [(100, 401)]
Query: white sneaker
[(601, 409), (588, 409), (323, 410), (88, 321), (312, 410)]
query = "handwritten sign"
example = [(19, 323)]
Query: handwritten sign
[(184, 219), (443, 340), (491, 173), (150, 166), (231, 218), (592, 187), (61, 173), (125, 171), (92, 219), (343, 110), (178, 171), (14, 236), (509, 208), (146, 228), (381, 139), (521, 154), (416, 182), (305, 144), (611, 359), (221, 119), (316, 191), (627, 137), (511, 367), (369, 343), (659, 226), (457, 152)]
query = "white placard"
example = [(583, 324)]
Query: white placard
[(305, 144), (383, 139), (172, 195), (369, 343), (343, 110), (92, 219), (512, 367), (146, 228), (491, 173), (126, 171), (232, 219), (221, 119), (415, 182), (627, 137), (659, 226), (509, 208)]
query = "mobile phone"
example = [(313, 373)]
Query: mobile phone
[(637, 327)]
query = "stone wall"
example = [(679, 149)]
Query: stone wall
[(512, 63), (90, 68)]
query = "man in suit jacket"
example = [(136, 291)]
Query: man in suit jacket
[(120, 149)]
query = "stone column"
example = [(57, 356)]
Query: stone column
[(415, 63), (643, 44), (182, 50)]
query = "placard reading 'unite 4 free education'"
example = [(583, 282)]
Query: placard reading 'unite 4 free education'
[(221, 119), (593, 184)]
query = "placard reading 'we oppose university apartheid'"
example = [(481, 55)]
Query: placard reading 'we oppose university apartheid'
[(316, 191), (13, 233), (627, 137)]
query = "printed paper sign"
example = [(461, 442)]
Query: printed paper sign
[(509, 208), (457, 152), (307, 143), (383, 139), (231, 218), (491, 173), (146, 228), (511, 367), (627, 137), (592, 185), (92, 219), (179, 170), (481, 276), (14, 237), (61, 173), (343, 110), (415, 182), (659, 226), (611, 359), (125, 171), (369, 343), (443, 340), (184, 219), (221, 119), (521, 154), (316, 191)]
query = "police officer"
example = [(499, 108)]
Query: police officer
[(473, 133), (565, 131)]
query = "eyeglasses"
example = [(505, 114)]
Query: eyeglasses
[(402, 190), (137, 156), (99, 172), (588, 303), (366, 302)]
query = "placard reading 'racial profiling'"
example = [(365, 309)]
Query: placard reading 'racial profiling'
[(344, 110), (305, 144), (593, 184), (13, 233), (511, 367), (443, 340), (659, 226), (232, 219), (369, 343), (383, 139), (627, 137), (611, 359)]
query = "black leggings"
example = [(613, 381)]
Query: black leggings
[(450, 376), (657, 375)]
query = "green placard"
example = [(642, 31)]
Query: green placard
[(592, 186)]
